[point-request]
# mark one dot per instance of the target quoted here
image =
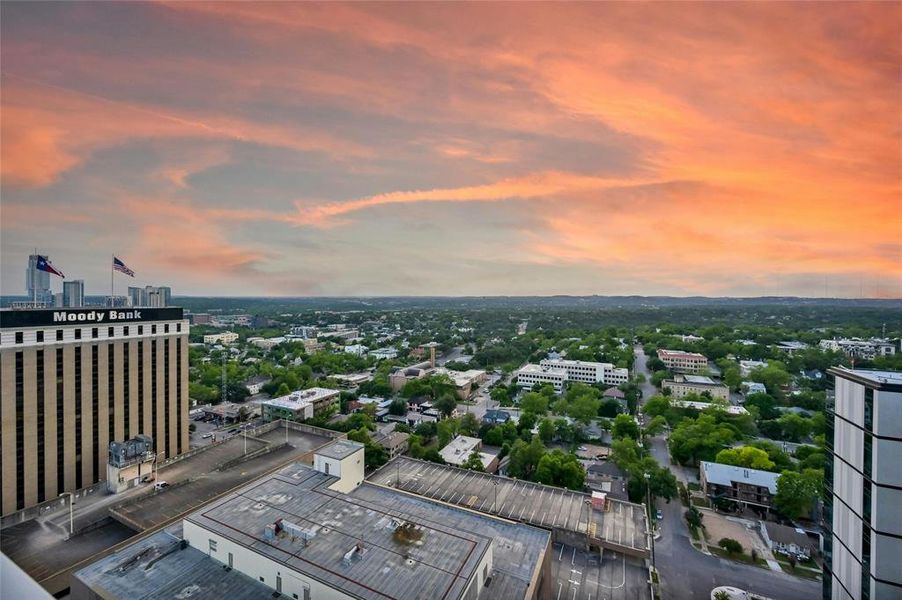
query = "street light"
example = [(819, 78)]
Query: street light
[(495, 488), (652, 527), (155, 459), (71, 503)]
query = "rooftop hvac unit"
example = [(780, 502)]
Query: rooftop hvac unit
[(297, 531)]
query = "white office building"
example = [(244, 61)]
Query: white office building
[(858, 348), (589, 372), (863, 508), (531, 375)]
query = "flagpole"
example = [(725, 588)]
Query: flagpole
[(111, 280), (34, 287)]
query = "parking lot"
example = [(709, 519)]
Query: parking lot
[(580, 575)]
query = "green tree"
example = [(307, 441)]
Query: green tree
[(694, 517), (397, 407), (625, 426), (730, 545), (469, 425), (524, 458), (560, 469), (795, 428), (773, 376), (732, 377), (766, 405), (745, 456), (546, 430), (446, 403), (445, 429), (473, 462), (700, 439), (655, 426), (796, 492), (534, 403)]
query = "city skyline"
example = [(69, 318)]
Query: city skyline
[(437, 149)]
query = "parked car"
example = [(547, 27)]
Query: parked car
[(206, 436), (659, 515), (160, 485)]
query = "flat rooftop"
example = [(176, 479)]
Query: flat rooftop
[(451, 543), (869, 376), (679, 354), (159, 567), (621, 527), (699, 380), (301, 398), (533, 368), (340, 449)]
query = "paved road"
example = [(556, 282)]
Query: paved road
[(686, 572)]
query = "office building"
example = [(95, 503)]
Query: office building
[(683, 385), (530, 375), (747, 366), (322, 532), (37, 283), (863, 487), (74, 380), (157, 297), (384, 353), (300, 405), (225, 338), (136, 296), (74, 293), (677, 361), (589, 372)]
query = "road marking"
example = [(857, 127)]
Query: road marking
[(575, 571), (573, 560), (561, 556), (560, 586), (574, 593)]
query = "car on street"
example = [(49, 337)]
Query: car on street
[(206, 436), (659, 515), (160, 485)]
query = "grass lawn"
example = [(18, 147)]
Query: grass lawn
[(718, 551)]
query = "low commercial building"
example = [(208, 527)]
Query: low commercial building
[(350, 380), (355, 349), (300, 405), (747, 366), (683, 385), (255, 384), (322, 532), (401, 375), (791, 346), (224, 413), (225, 338), (384, 353), (530, 375), (729, 408), (859, 348), (266, 343), (466, 381), (588, 372), (738, 484), (458, 451), (678, 361)]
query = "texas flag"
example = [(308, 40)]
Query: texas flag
[(44, 264), (118, 265)]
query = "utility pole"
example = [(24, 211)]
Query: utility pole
[(224, 392)]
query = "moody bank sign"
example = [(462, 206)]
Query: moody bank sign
[(85, 316)]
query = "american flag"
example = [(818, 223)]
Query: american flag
[(118, 265)]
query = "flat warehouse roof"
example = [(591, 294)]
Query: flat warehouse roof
[(447, 546), (621, 527)]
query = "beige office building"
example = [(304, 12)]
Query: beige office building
[(72, 381)]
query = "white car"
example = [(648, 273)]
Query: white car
[(206, 436), (160, 485)]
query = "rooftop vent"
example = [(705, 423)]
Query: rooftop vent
[(355, 553)]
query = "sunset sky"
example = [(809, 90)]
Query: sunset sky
[(455, 149)]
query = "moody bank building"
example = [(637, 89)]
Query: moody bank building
[(74, 380)]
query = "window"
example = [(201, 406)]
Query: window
[(19, 337), (40, 336), (110, 332), (59, 335), (140, 329), (326, 468), (178, 327), (125, 331), (153, 329), (212, 545), (95, 332), (231, 560), (166, 328), (78, 334)]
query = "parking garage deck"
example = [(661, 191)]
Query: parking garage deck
[(620, 527)]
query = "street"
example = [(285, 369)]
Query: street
[(688, 573)]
